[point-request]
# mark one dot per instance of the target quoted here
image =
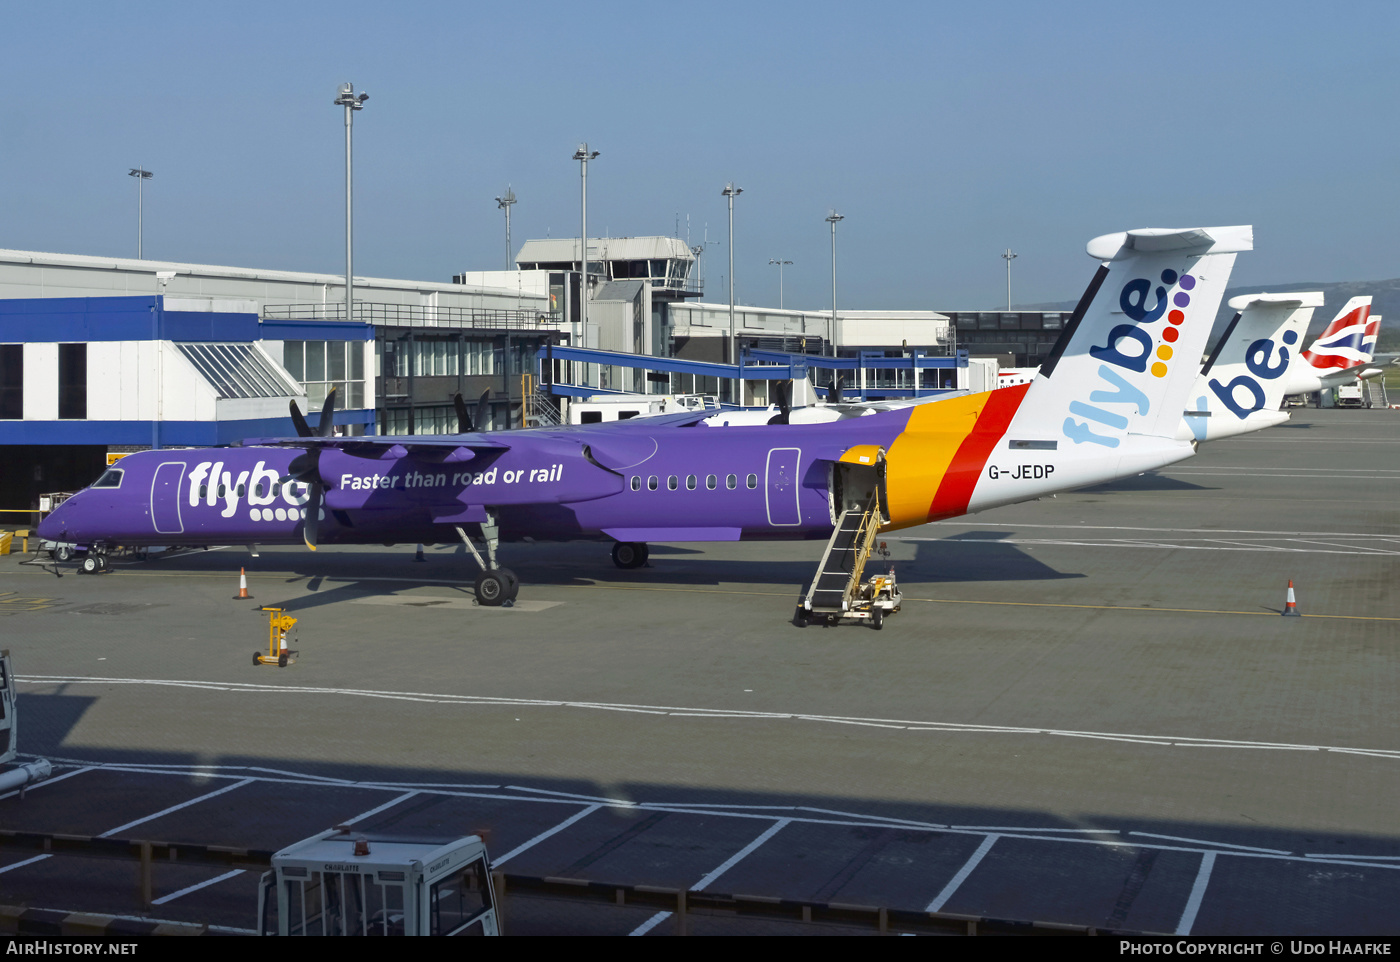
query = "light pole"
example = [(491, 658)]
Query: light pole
[(141, 176), (583, 155), (730, 192), (348, 99), (1009, 255), (504, 202), (833, 218), (780, 264)]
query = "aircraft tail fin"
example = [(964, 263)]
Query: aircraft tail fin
[(1131, 351), (1349, 341), (1242, 384)]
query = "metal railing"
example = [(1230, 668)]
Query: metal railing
[(416, 315)]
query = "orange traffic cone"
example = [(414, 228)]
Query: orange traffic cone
[(1290, 609), (242, 587)]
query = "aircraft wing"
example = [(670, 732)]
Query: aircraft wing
[(437, 448)]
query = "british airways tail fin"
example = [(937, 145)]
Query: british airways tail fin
[(1127, 359), (1243, 383), (1349, 341)]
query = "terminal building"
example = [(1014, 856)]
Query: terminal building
[(102, 355)]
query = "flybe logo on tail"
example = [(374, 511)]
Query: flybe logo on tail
[(1259, 360), (1131, 348)]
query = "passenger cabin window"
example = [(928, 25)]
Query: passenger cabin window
[(204, 490), (262, 489), (636, 482), (690, 482), (672, 482), (731, 482), (711, 481), (242, 490), (651, 483), (753, 481), (111, 478)]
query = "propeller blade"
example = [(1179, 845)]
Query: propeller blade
[(464, 420), (833, 393), (299, 421), (781, 389), (327, 425), (483, 410), (305, 467), (313, 517)]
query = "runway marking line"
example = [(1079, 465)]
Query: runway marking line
[(742, 854), (547, 833), (786, 594), (957, 880), (196, 887), (175, 808), (1198, 892), (477, 701)]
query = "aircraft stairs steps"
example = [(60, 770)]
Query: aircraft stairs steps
[(1376, 393), (541, 410), (839, 574)]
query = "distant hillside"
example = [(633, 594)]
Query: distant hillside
[(1385, 302)]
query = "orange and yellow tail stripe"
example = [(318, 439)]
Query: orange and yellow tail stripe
[(933, 466)]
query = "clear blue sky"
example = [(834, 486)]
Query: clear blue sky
[(944, 132)]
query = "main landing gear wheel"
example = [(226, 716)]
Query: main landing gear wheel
[(90, 565), (495, 586), (629, 554)]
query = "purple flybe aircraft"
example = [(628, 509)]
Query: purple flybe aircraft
[(1106, 404)]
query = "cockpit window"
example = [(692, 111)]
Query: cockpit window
[(111, 478)]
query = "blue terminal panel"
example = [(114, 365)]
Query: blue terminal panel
[(172, 433), (144, 318)]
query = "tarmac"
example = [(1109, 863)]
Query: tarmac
[(1088, 711)]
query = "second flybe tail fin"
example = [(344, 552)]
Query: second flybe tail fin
[(1348, 341), (1242, 384), (1126, 360)]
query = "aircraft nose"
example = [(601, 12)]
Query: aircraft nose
[(54, 527)]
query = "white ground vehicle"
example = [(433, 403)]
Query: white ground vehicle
[(345, 882)]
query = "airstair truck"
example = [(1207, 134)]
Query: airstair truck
[(344, 882)]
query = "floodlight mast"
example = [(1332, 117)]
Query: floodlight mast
[(1009, 255), (583, 155), (142, 175), (833, 218), (352, 102), (780, 262), (730, 192), (504, 202)]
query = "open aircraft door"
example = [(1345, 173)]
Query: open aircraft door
[(857, 478)]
